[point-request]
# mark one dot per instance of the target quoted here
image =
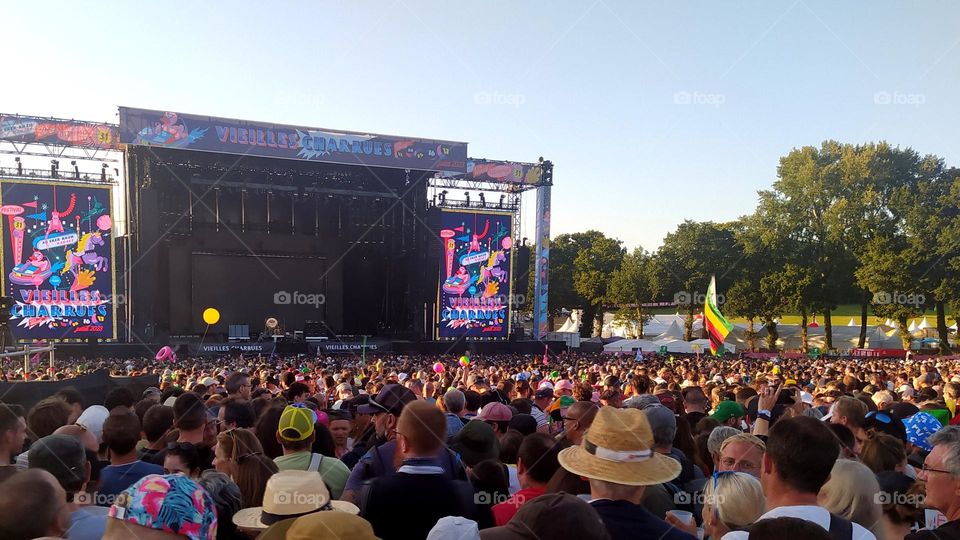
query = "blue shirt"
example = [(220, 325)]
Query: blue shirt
[(87, 523), (116, 478)]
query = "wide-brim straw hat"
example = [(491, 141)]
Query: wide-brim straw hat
[(618, 448), (290, 494)]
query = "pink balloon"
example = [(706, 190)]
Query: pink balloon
[(165, 353), (507, 242), (438, 367), (104, 223)]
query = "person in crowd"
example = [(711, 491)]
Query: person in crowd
[(491, 485), (190, 420), (731, 501), (853, 493), (476, 442), (47, 415), (238, 384), (266, 431), (498, 416), (64, 457), (554, 515), (577, 420), (729, 413), (182, 458), (715, 439), (453, 403), (33, 504), (787, 528), (792, 474), (238, 454), (235, 412), (742, 452), (850, 412), (323, 526), (157, 423), (881, 452), (13, 432), (900, 497), (341, 424), (941, 476), (121, 432), (618, 457), (228, 501), (386, 501), (694, 404), (663, 423), (160, 507), (536, 464), (119, 399), (289, 494), (72, 397), (296, 432)]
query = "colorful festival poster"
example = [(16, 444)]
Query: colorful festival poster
[(57, 251), (475, 268)]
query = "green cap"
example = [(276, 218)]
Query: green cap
[(726, 410)]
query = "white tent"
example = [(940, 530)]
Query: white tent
[(923, 324), (673, 332), (852, 323), (630, 345), (913, 326)]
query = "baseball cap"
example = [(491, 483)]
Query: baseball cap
[(62, 456), (391, 399), (171, 503), (209, 382), (546, 392), (545, 384), (660, 417), (728, 409), (563, 384), (151, 391), (496, 412), (296, 423)]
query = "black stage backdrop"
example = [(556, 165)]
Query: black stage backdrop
[(93, 387)]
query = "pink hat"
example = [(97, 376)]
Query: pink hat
[(563, 384), (496, 412)]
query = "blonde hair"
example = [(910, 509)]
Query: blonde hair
[(852, 493), (744, 438), (737, 500)]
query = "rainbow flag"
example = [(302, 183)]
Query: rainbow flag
[(717, 326)]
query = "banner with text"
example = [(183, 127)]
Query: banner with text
[(57, 251), (34, 129), (474, 294), (194, 132)]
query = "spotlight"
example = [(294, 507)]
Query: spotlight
[(103, 172), (19, 166), (483, 200), (443, 197), (467, 194), (76, 170), (54, 165), (502, 196)]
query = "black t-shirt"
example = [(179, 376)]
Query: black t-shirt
[(948, 531)]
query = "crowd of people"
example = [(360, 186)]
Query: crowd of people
[(493, 447)]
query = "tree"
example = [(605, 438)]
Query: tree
[(592, 271), (687, 259), (630, 286)]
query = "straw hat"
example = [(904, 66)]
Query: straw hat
[(290, 494), (618, 448)]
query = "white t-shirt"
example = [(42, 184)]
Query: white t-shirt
[(816, 514)]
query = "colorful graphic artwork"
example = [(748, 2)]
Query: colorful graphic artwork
[(34, 129), (474, 295), (57, 250), (504, 172), (210, 134)]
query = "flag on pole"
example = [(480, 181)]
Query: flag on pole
[(545, 359), (717, 326)]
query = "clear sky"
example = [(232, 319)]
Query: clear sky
[(653, 112)]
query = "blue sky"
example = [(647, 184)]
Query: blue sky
[(652, 112)]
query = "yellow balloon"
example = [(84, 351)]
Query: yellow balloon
[(211, 315)]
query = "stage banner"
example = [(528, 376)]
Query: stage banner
[(34, 129), (541, 282), (504, 172), (193, 132), (57, 259), (266, 347), (474, 294)]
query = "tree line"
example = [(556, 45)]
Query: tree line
[(870, 224)]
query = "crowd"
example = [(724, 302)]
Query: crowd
[(497, 447)]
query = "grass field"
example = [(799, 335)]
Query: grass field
[(840, 316)]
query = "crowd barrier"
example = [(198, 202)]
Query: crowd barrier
[(93, 387)]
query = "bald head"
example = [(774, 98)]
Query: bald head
[(423, 429), (35, 493), (577, 419)]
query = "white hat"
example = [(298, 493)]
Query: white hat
[(92, 419), (806, 397)]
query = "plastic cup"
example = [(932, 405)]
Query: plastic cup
[(682, 516)]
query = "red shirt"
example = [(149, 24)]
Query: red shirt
[(503, 512)]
